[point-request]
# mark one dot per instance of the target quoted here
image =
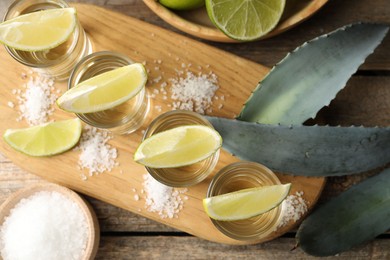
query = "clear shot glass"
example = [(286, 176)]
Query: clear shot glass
[(57, 62), (122, 119), (187, 175), (244, 175)]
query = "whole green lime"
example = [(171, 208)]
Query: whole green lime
[(182, 4)]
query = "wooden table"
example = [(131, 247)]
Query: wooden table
[(365, 100)]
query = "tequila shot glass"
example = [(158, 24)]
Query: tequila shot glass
[(57, 62), (187, 175), (122, 119), (244, 175)]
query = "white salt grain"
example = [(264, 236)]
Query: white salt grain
[(46, 225), (10, 104), (96, 154), (295, 208), (157, 79), (164, 200), (36, 102)]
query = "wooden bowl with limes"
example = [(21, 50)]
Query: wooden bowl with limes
[(197, 23)]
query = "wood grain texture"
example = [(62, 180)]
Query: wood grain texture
[(143, 42), (175, 247)]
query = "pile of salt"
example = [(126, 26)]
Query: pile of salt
[(193, 92), (36, 102), (46, 225), (96, 154), (164, 200)]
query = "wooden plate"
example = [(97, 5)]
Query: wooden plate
[(92, 222), (197, 23), (164, 53)]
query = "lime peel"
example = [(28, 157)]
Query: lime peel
[(246, 203), (39, 31), (182, 4), (180, 146)]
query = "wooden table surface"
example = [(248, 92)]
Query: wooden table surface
[(365, 100)]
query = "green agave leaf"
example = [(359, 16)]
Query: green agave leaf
[(306, 150), (354, 217), (310, 77)]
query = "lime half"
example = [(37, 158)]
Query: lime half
[(40, 30), (180, 146), (47, 139), (245, 203), (105, 90), (245, 20)]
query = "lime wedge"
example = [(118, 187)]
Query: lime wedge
[(245, 20), (40, 30), (105, 90), (180, 146), (245, 203), (45, 140)]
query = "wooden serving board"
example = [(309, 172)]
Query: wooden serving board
[(164, 53)]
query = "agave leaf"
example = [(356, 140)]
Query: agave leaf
[(306, 150), (354, 217), (310, 77)]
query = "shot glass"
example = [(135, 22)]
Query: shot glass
[(187, 175), (122, 119), (57, 62), (243, 175)]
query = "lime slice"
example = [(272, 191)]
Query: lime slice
[(105, 90), (47, 139), (245, 203), (40, 30), (180, 146), (245, 20)]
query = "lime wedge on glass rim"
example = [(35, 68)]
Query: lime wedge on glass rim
[(39, 31), (105, 90), (246, 203), (180, 146), (245, 20), (46, 139)]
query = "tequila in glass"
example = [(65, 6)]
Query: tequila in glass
[(187, 175), (121, 119), (244, 175), (57, 62)]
